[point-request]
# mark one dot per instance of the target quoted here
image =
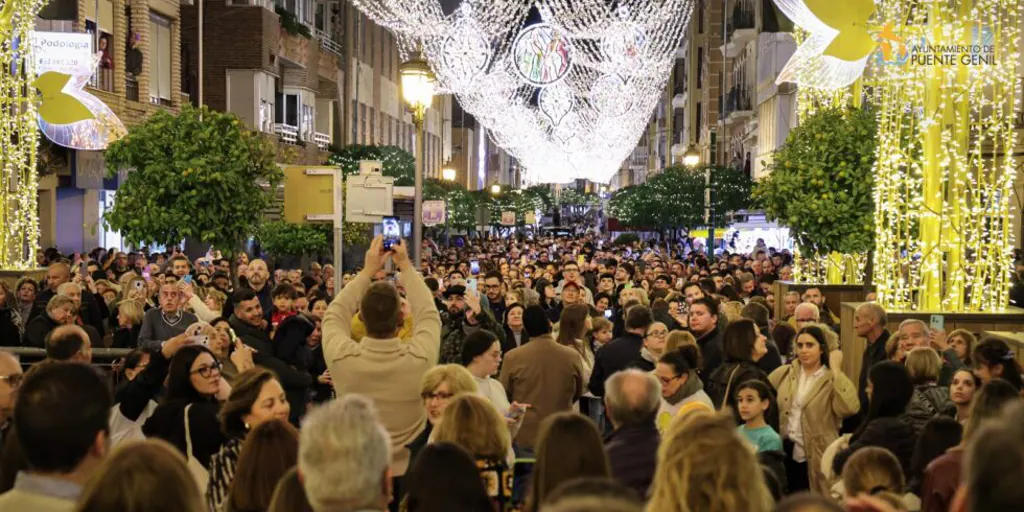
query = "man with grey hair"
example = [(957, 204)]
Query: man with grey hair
[(869, 320), (631, 400), (806, 313), (344, 457), (914, 333)]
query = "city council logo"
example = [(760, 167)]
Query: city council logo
[(918, 51)]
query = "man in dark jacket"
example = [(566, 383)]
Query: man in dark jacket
[(631, 402), (623, 351), (704, 326), (93, 307), (250, 326), (869, 320), (466, 315)]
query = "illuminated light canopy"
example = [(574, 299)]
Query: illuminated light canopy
[(569, 97)]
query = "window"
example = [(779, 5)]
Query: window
[(363, 136), (159, 59), (308, 123), (287, 109), (700, 16), (373, 126), (700, 67), (699, 119), (355, 122)]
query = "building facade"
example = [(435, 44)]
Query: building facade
[(140, 73)]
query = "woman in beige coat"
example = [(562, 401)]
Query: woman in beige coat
[(813, 400)]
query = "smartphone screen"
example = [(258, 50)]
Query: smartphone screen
[(608, 313), (146, 274), (187, 279), (83, 269), (474, 267), (392, 233)]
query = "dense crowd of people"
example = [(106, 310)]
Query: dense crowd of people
[(533, 374)]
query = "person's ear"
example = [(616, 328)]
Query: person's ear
[(388, 489), (100, 445)]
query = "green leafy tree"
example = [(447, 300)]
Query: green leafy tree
[(821, 184), (543, 193), (674, 198), (461, 204), (396, 162), (281, 239), (196, 174)]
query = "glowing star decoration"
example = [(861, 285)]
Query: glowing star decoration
[(466, 51), (835, 54), (542, 55), (69, 129), (57, 106)]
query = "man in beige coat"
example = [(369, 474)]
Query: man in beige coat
[(381, 366)]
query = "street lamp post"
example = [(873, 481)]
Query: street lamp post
[(447, 174), (418, 91), (709, 212)]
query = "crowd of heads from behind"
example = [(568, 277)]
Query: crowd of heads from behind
[(531, 373)]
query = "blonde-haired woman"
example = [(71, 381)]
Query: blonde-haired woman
[(677, 339), (144, 476), (929, 399), (470, 421), (129, 324), (439, 386), (634, 293), (876, 471), (705, 465)]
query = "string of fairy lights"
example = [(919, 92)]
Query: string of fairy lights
[(19, 138), (945, 169)]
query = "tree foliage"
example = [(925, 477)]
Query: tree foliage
[(281, 239), (674, 198), (397, 162), (461, 205), (821, 183), (196, 174)]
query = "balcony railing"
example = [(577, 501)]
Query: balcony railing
[(103, 79), (266, 4), (327, 43), (322, 140), (738, 100), (742, 18), (163, 102), (289, 134), (131, 89)]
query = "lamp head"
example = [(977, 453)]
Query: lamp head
[(691, 158), (495, 189), (418, 83), (448, 174)]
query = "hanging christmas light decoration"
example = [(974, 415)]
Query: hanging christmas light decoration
[(568, 97)]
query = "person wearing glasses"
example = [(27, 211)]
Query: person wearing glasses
[(188, 416), (681, 389), (653, 347)]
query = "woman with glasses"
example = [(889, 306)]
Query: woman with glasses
[(256, 398), (654, 346), (681, 388), (188, 416), (439, 385)]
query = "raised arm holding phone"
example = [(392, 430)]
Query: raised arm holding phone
[(380, 366)]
